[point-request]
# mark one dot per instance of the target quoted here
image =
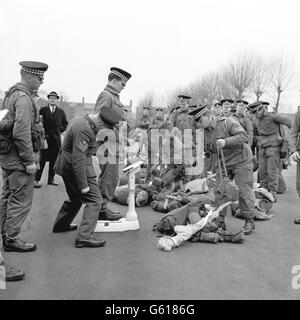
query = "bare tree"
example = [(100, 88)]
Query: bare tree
[(262, 76), (238, 75), (282, 76)]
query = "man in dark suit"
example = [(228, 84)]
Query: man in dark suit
[(54, 122)]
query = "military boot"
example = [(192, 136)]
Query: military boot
[(18, 245), (249, 226), (210, 237), (107, 214), (12, 274)]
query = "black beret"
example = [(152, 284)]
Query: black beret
[(242, 101), (124, 75), (110, 116), (184, 97), (53, 94), (226, 100)]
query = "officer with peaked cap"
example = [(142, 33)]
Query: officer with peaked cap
[(19, 162), (217, 109), (226, 107), (74, 164), (158, 119), (227, 134), (109, 176), (145, 119), (270, 141)]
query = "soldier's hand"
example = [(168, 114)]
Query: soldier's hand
[(296, 156), (85, 191), (221, 143), (31, 168)]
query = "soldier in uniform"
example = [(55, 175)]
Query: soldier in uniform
[(145, 119), (294, 140), (158, 119), (240, 115), (74, 164), (54, 122), (226, 133), (226, 107), (109, 176), (269, 145), (20, 162)]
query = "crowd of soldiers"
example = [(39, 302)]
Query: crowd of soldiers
[(243, 135)]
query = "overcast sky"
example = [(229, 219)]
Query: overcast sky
[(163, 44)]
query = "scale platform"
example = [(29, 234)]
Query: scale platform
[(117, 226)]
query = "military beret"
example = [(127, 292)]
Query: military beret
[(242, 101), (53, 94), (198, 112), (184, 97), (34, 67), (123, 75), (226, 100), (110, 116)]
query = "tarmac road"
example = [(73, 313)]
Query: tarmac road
[(131, 267)]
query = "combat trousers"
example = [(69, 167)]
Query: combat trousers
[(16, 201), (71, 207), (108, 181), (243, 178), (269, 167)]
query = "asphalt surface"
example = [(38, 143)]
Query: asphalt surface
[(131, 267)]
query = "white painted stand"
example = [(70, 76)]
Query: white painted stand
[(131, 221)]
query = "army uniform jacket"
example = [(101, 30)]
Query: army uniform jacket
[(154, 124), (246, 123), (182, 121), (236, 150), (23, 113), (294, 136), (144, 123), (111, 99), (75, 156), (269, 129)]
